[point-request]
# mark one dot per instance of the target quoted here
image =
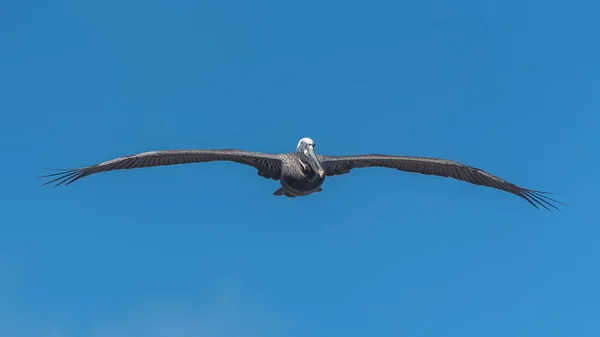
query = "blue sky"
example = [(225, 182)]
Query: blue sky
[(206, 250)]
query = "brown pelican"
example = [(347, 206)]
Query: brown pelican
[(302, 172)]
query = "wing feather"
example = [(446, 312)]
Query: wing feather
[(337, 165), (268, 165)]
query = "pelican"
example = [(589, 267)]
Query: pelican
[(302, 173)]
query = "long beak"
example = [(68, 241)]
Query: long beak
[(314, 162)]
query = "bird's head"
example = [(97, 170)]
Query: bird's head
[(306, 150)]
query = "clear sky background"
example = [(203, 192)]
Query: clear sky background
[(508, 86)]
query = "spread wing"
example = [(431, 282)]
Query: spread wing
[(338, 165), (268, 165)]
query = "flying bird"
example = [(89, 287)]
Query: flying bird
[(302, 172)]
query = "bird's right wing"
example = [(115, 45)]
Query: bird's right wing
[(268, 165)]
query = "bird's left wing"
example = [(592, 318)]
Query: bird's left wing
[(337, 165), (268, 165)]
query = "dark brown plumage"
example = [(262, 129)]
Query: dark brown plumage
[(269, 166), (302, 172), (339, 165)]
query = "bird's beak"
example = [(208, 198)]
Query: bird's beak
[(314, 162)]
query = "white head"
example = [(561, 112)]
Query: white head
[(306, 151), (304, 142)]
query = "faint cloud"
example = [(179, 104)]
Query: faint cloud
[(224, 315), (227, 316)]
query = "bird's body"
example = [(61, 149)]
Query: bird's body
[(303, 172), (298, 179)]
